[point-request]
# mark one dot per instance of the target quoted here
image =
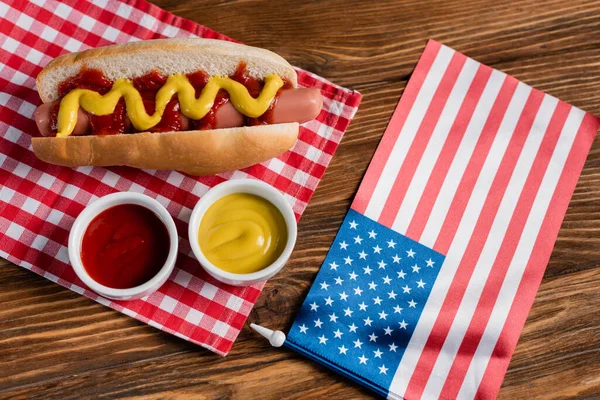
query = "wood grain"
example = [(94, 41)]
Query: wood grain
[(56, 344)]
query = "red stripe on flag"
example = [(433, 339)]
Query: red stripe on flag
[(442, 165), (532, 277), (418, 146), (363, 196), (480, 153), (505, 255), (477, 241)]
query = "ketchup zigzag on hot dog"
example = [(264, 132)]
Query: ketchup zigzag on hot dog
[(196, 105)]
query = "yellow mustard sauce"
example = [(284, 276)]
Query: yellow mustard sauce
[(242, 233), (191, 107)]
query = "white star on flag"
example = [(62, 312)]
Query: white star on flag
[(362, 255), (391, 244), (393, 347), (348, 312), (324, 285), (333, 317), (333, 266), (367, 270), (382, 264), (353, 225), (392, 295), (323, 339), (368, 321), (401, 274), (303, 328), (372, 234), (343, 246), (352, 328), (343, 349), (382, 315), (343, 296), (410, 253), (378, 353), (329, 301), (383, 370), (388, 331), (338, 334), (373, 337), (421, 284), (348, 261), (403, 324), (377, 301), (339, 281), (397, 309), (396, 259), (412, 304), (353, 276), (363, 306), (372, 285), (416, 268), (430, 262), (386, 280), (357, 240), (314, 306), (357, 343), (406, 289), (363, 359), (318, 323), (377, 249), (357, 291)]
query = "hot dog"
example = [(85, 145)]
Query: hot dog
[(295, 105), (200, 106)]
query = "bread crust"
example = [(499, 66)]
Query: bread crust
[(194, 152)]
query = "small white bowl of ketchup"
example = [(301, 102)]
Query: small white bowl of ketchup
[(242, 231), (123, 246)]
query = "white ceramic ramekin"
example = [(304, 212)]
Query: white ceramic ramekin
[(258, 188), (95, 208)]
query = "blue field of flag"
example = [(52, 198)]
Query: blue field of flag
[(366, 300)]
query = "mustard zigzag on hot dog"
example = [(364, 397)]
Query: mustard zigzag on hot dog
[(194, 108)]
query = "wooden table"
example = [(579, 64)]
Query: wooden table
[(55, 343)]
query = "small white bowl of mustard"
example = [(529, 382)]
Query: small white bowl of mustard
[(242, 231)]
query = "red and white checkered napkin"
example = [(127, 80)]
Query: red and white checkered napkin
[(39, 202)]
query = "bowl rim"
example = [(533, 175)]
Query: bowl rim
[(261, 189), (94, 209)]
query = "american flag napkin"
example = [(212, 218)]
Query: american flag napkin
[(430, 278), (39, 202)]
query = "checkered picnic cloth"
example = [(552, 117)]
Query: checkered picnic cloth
[(39, 202)]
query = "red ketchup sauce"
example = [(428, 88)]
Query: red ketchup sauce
[(95, 80), (124, 246), (148, 85), (198, 80)]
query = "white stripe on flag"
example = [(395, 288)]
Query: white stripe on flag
[(409, 130), (461, 160), (434, 146), (520, 259), (491, 248), (463, 234)]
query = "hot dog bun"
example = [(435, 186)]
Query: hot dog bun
[(194, 152)]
